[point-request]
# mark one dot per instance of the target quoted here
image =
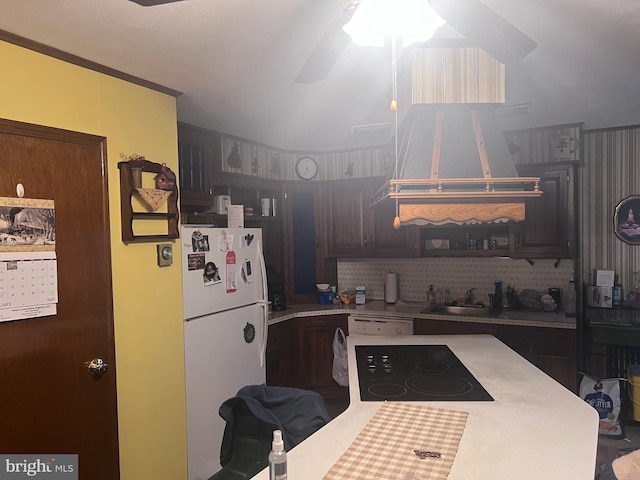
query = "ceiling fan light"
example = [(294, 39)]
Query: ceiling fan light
[(375, 20)]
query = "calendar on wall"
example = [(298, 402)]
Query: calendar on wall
[(28, 263)]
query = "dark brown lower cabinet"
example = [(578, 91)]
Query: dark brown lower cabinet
[(300, 354), (279, 355), (552, 350), (315, 354)]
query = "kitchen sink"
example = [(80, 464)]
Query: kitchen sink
[(467, 310)]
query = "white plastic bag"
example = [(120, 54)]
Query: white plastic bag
[(340, 364)]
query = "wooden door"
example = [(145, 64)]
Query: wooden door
[(50, 404)]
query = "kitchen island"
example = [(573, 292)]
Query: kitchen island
[(535, 428)]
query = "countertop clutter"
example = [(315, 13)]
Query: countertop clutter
[(534, 427), (415, 310)]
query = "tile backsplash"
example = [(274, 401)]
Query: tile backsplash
[(455, 274)]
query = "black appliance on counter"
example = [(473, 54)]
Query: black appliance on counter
[(407, 373), (277, 297)]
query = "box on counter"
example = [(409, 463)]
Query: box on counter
[(436, 244), (604, 278), (500, 241), (601, 297), (360, 295)]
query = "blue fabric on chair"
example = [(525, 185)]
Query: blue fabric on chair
[(252, 416), (296, 412)]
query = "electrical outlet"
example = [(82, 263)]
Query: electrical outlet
[(165, 254)]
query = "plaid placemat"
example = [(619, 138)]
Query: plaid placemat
[(403, 442)]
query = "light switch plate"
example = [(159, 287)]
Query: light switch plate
[(165, 254)]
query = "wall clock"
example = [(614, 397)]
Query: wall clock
[(306, 168)]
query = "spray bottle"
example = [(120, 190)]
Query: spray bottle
[(277, 458)]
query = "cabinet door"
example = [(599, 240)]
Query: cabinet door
[(548, 229), (389, 241), (198, 151), (552, 350), (280, 355), (303, 242), (349, 219), (315, 354)]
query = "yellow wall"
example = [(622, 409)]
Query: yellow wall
[(147, 299)]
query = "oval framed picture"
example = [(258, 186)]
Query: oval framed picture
[(626, 220)]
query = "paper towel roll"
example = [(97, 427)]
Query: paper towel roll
[(391, 288)]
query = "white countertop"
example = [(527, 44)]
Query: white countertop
[(414, 310), (535, 428)]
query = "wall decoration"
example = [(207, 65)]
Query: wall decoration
[(349, 171), (234, 159), (275, 166), (626, 220)]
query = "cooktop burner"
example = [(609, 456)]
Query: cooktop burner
[(415, 373)]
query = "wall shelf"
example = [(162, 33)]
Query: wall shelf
[(127, 190)]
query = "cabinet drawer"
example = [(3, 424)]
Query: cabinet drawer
[(424, 326)]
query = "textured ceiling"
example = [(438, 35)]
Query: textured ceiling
[(235, 62)]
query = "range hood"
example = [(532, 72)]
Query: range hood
[(452, 160)]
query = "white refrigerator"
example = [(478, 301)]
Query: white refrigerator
[(225, 330)]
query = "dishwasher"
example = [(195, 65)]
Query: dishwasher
[(383, 325)]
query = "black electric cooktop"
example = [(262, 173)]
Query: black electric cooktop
[(408, 373)]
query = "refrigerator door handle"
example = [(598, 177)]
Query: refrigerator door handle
[(263, 304)]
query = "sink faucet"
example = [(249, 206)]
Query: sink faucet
[(469, 296)]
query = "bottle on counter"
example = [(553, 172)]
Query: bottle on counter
[(431, 295), (570, 299), (277, 458), (617, 296)]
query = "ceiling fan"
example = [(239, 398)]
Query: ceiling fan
[(152, 3), (481, 26)]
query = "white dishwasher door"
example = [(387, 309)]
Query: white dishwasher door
[(371, 325)]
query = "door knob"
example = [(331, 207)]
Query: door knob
[(97, 367)]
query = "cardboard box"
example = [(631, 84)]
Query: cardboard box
[(436, 244), (604, 278), (360, 295), (601, 297), (500, 241)]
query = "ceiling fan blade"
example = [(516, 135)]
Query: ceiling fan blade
[(323, 58), (485, 28), (329, 49), (153, 3)]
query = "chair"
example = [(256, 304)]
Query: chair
[(251, 444), (252, 416)]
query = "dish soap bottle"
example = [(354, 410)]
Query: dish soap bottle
[(277, 458), (431, 295), (570, 299)]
